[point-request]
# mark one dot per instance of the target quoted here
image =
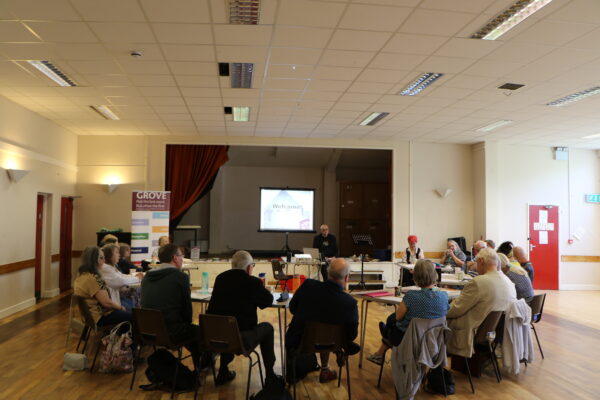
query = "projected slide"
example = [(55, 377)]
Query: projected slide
[(286, 210)]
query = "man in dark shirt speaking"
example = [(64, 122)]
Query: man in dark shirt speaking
[(327, 246)]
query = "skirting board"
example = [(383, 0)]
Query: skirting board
[(46, 294), (17, 307), (579, 287)]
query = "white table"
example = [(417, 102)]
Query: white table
[(204, 299)]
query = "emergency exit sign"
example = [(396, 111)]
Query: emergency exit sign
[(592, 198)]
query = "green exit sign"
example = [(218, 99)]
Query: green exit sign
[(592, 198)]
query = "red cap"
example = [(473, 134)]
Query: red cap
[(412, 239)]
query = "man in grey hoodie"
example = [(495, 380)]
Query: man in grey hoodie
[(167, 288)]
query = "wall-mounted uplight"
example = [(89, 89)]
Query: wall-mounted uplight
[(15, 175), (112, 183), (111, 187)]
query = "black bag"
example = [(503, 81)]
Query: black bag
[(273, 390), (161, 371), (305, 363), (435, 383)]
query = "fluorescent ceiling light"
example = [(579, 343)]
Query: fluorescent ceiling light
[(563, 101), (241, 75), (420, 84), (241, 114), (495, 125), (595, 136), (244, 12), (48, 69), (509, 18), (105, 112), (374, 118)]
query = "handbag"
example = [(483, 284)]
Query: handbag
[(117, 356), (74, 362), (435, 381)]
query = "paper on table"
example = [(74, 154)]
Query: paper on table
[(543, 237)]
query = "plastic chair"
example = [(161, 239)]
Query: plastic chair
[(278, 272), (149, 329), (89, 327), (221, 334), (319, 337), (537, 308)]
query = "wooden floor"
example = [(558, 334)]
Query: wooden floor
[(32, 347)]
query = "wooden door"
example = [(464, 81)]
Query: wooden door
[(543, 245), (351, 200), (66, 243), (39, 228)]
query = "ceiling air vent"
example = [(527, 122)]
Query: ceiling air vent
[(241, 75), (244, 12), (511, 86)]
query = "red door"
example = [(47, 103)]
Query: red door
[(543, 246), (39, 225), (66, 241)]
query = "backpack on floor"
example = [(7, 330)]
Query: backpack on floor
[(435, 383), (161, 371), (273, 390)]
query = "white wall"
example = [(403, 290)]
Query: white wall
[(28, 141)]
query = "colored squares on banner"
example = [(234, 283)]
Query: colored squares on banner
[(139, 236), (139, 222), (160, 229), (160, 215)]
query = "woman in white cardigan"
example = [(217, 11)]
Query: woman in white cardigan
[(117, 282)]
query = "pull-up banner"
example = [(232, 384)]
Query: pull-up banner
[(149, 221)]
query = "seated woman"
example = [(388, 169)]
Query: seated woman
[(117, 282), (506, 248), (125, 265), (424, 303), (454, 256), (92, 288), (518, 275), (161, 242), (413, 253)]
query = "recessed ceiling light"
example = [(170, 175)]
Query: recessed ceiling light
[(241, 75), (595, 136), (105, 112), (509, 18), (244, 12), (494, 125), (420, 84), (48, 69), (563, 101), (374, 118), (241, 114)]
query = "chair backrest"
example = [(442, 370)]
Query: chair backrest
[(278, 270), (149, 328), (84, 310), (537, 307), (488, 327), (321, 337), (221, 334)]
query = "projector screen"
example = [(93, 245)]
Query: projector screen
[(287, 210)]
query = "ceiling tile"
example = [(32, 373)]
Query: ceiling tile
[(63, 32), (249, 54), (79, 51), (414, 44), (328, 85), (251, 35), (152, 80), (12, 31), (56, 10), (183, 11), (492, 68), (336, 73), (176, 52), (197, 81), (458, 5), (193, 68), (342, 58), (344, 39), (447, 65), (374, 18), (109, 10), (123, 32), (282, 55), (382, 75), (309, 13), (396, 61), (286, 84), (583, 11), (145, 67), (291, 71), (293, 36), (28, 51), (95, 67), (370, 87), (183, 33), (433, 22), (553, 32)]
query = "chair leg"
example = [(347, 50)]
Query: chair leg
[(538, 341), (136, 355), (495, 363), (381, 368), (96, 355), (340, 375), (249, 377), (196, 380), (85, 335), (348, 377), (444, 382), (294, 375), (176, 371), (469, 375), (262, 380)]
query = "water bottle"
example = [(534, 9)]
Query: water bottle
[(205, 282), (262, 277)]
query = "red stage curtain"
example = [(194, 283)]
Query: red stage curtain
[(189, 169)]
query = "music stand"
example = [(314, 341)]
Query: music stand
[(362, 239)]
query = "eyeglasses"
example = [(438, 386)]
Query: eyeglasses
[(252, 265), (179, 255)]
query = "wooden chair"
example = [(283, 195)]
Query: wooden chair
[(74, 324), (149, 329), (90, 327), (279, 272), (221, 334), (319, 337), (537, 308)]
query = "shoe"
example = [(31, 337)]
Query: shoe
[(375, 358), (224, 376), (327, 375), (382, 328)]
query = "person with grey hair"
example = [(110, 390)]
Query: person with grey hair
[(490, 291), (454, 256), (237, 293), (477, 247), (518, 276), (425, 303), (328, 303)]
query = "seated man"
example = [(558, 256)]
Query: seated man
[(519, 255), (328, 303), (490, 291), (477, 247), (237, 293), (167, 288)]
